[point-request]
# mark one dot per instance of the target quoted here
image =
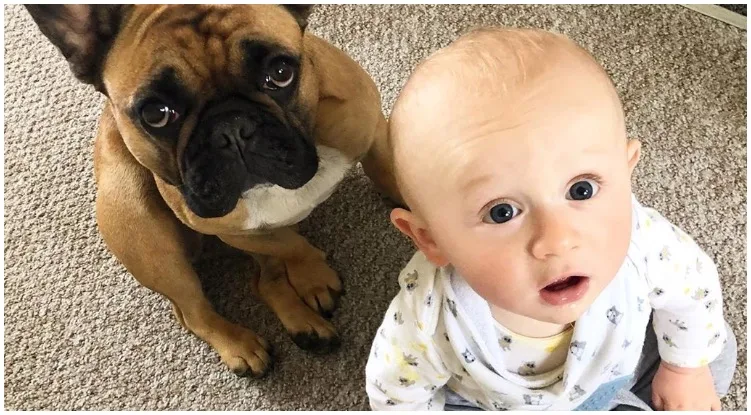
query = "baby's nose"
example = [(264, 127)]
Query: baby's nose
[(554, 236)]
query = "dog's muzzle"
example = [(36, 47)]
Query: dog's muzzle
[(239, 144)]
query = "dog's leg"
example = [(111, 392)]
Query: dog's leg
[(296, 283), (149, 240)]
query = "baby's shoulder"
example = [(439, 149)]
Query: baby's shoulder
[(652, 231), (419, 275), (421, 291), (648, 222), (663, 253)]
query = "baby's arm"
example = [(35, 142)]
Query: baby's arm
[(686, 295), (687, 301), (404, 370)]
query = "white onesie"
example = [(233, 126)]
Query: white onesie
[(438, 332)]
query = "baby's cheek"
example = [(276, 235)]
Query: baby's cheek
[(608, 245), (615, 246), (500, 286)]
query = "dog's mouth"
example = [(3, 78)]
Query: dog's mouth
[(211, 199), (213, 191)]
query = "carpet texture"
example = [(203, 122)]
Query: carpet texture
[(80, 333)]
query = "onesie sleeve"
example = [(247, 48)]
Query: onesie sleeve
[(404, 370), (685, 292)]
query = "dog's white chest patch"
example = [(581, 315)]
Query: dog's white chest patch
[(274, 206)]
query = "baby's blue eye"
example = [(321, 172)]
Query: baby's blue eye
[(501, 213), (583, 190)]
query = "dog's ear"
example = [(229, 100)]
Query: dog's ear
[(83, 33), (301, 12)]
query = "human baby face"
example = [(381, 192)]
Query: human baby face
[(538, 217)]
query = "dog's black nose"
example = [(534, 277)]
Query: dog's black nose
[(232, 130)]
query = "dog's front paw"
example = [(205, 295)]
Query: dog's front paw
[(314, 334), (316, 284), (245, 353), (307, 328)]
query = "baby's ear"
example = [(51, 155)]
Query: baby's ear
[(415, 228), (633, 151)]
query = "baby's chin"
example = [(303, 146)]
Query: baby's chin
[(565, 316)]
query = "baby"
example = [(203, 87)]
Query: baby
[(540, 281)]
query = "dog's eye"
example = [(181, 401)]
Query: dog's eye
[(280, 74), (158, 115)]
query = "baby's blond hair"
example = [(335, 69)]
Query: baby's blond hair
[(485, 62)]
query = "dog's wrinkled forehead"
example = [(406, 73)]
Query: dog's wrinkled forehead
[(210, 45)]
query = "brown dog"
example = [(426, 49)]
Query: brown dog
[(229, 121)]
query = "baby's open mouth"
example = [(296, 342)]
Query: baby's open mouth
[(565, 290), (564, 283)]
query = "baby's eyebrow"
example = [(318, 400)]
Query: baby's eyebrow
[(475, 181), (469, 188)]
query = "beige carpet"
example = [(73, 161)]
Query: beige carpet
[(80, 333)]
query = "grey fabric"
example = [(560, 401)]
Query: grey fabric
[(80, 333), (454, 402)]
